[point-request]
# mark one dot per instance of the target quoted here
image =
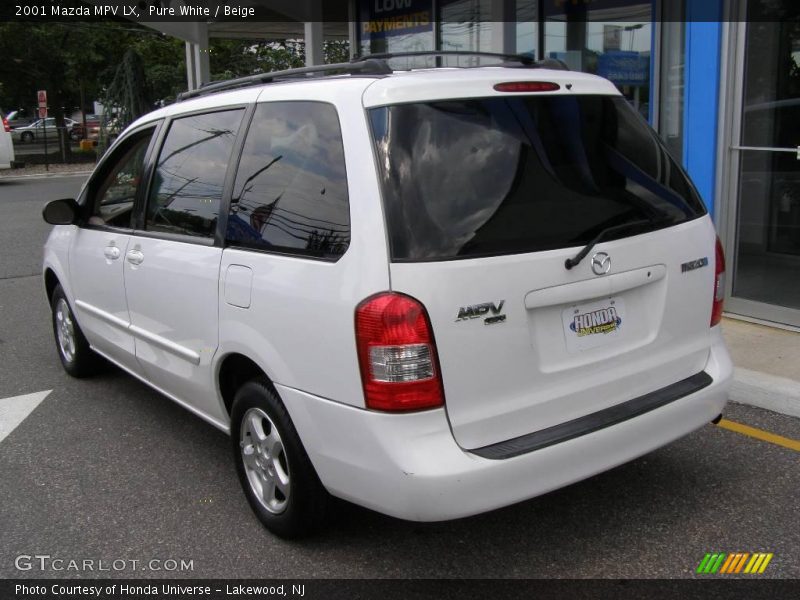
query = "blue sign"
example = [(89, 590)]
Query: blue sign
[(624, 68)]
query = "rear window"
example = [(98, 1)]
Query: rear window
[(491, 176)]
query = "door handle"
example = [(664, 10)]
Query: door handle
[(135, 257), (111, 252)]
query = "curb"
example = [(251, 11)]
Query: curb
[(778, 394), (46, 175)]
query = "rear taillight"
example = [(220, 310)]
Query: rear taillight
[(397, 354), (719, 284), (5, 125)]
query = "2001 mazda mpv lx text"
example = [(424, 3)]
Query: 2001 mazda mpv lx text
[(431, 292)]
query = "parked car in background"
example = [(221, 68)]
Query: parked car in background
[(19, 118), (6, 144), (92, 128), (39, 130)]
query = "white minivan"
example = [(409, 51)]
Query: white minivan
[(430, 292)]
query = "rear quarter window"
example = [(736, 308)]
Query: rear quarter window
[(290, 195)]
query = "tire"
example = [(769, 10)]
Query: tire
[(277, 477), (26, 137), (76, 356)]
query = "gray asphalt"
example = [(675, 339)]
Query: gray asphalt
[(107, 469)]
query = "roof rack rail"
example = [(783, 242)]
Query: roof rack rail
[(369, 66), (518, 58)]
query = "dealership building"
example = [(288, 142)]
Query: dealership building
[(719, 80)]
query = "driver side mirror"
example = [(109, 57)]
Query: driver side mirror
[(61, 212)]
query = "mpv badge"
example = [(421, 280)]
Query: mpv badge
[(601, 263)]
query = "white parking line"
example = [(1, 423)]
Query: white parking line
[(16, 409)]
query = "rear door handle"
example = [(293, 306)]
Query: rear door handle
[(111, 252), (135, 257)]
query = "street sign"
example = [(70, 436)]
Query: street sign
[(42, 112), (41, 96)]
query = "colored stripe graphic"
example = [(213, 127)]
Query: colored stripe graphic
[(727, 564), (711, 562), (737, 563), (702, 567), (734, 562)]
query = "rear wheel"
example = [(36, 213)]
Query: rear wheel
[(27, 136), (76, 356), (278, 479)]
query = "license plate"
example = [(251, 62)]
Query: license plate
[(593, 324)]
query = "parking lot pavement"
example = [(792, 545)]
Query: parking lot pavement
[(106, 469)]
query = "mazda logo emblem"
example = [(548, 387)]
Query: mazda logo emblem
[(601, 263)]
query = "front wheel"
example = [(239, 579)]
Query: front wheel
[(277, 477), (76, 356)]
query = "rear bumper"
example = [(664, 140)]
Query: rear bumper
[(409, 466)]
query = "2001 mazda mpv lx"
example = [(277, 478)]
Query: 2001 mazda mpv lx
[(430, 292)]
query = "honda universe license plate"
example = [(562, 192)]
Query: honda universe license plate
[(593, 324)]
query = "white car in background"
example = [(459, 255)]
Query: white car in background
[(6, 144), (432, 292), (41, 129)]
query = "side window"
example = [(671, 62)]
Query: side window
[(290, 193), (114, 196), (187, 184)]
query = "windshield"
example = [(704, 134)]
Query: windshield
[(490, 176)]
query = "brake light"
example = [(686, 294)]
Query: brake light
[(527, 86), (397, 354), (719, 284), (5, 125)]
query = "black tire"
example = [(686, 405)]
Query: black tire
[(77, 357), (300, 511), (26, 137)]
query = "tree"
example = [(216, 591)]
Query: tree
[(127, 92)]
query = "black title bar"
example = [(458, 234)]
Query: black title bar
[(280, 11)]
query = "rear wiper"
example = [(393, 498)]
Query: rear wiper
[(575, 261)]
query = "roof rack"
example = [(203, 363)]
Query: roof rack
[(365, 67), (517, 58), (372, 64)]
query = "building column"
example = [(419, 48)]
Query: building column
[(504, 27), (315, 50), (352, 28), (198, 66), (701, 95)]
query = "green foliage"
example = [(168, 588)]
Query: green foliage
[(337, 51), (127, 92), (78, 61), (238, 58)]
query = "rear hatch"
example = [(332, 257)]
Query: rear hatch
[(487, 196)]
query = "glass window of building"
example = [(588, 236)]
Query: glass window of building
[(673, 52), (465, 25), (527, 39), (610, 39), (396, 26)]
